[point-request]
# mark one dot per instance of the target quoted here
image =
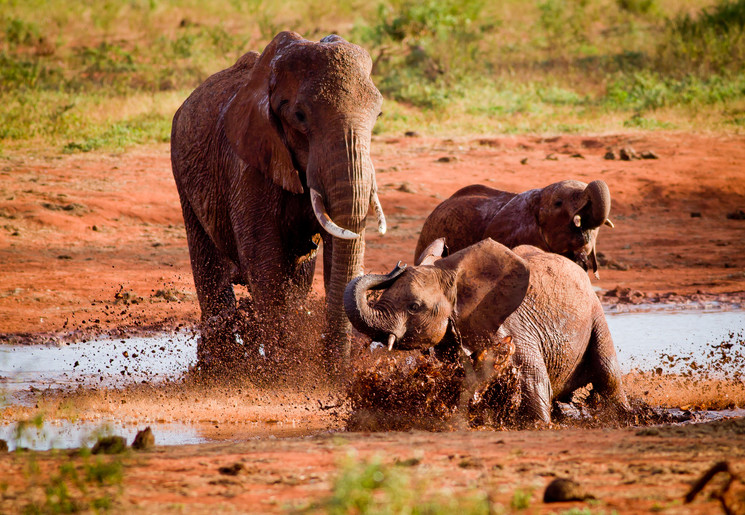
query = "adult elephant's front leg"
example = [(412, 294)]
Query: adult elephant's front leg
[(212, 279)]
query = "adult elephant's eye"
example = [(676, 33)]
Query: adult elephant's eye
[(300, 116), (558, 203), (414, 307)]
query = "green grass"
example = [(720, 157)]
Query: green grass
[(370, 486), (76, 78), (79, 483)]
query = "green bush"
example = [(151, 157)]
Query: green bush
[(420, 49), (712, 41)]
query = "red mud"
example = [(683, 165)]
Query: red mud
[(93, 243)]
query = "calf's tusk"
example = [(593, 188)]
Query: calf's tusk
[(391, 341), (609, 223), (319, 209)]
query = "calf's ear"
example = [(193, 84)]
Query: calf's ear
[(490, 283)]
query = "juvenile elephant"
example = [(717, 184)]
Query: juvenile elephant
[(485, 293), (562, 218), (267, 155)]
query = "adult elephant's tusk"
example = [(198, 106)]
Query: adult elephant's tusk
[(375, 201), (577, 220), (609, 223), (391, 341), (319, 209)]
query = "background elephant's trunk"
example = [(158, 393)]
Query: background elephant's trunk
[(597, 205), (364, 318)]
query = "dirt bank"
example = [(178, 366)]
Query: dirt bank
[(95, 242)]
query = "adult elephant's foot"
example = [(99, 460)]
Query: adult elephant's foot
[(336, 358), (218, 345)]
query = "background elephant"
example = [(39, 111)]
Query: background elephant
[(484, 294), (563, 218), (266, 155)]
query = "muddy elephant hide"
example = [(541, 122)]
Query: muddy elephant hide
[(485, 293), (268, 155), (562, 218)]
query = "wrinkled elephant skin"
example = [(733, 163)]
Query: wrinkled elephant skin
[(562, 218), (485, 293), (267, 155)]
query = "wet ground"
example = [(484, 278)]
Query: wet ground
[(644, 339), (95, 245)]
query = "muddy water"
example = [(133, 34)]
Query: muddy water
[(105, 362), (640, 338)]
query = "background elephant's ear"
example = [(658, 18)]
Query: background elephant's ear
[(491, 282), (434, 251), (250, 126)]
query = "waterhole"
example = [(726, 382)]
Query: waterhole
[(642, 340)]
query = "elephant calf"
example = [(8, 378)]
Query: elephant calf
[(485, 293), (562, 218)]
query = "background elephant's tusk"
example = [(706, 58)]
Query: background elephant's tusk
[(577, 220), (609, 223), (319, 209), (375, 201), (391, 341)]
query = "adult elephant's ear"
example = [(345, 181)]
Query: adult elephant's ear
[(491, 282), (250, 126)]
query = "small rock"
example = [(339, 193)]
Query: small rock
[(232, 470), (627, 154), (144, 440), (649, 154), (616, 265), (406, 187), (552, 157), (524, 161), (110, 445), (564, 490), (736, 215), (610, 155), (695, 214), (447, 159), (577, 155), (411, 134), (489, 142), (3, 446), (591, 143)]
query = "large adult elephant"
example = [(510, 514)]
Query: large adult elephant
[(479, 296), (267, 155), (563, 218)]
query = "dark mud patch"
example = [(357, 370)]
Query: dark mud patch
[(421, 392)]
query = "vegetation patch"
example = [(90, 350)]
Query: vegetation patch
[(83, 79)]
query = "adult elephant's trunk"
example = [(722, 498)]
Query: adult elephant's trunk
[(596, 208), (366, 319), (342, 177)]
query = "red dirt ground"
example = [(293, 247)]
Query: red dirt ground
[(93, 243)]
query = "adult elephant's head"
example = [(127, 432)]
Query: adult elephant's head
[(569, 214), (468, 293), (305, 118)]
